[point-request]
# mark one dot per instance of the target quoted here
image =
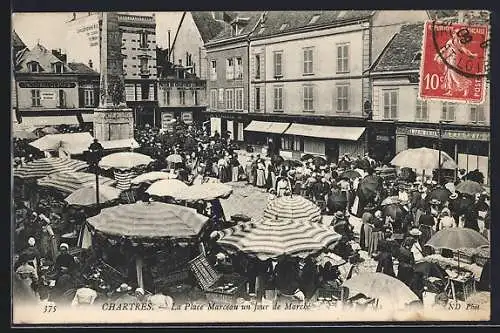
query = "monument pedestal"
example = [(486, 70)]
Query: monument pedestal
[(113, 123)]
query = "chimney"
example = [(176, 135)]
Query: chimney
[(91, 64)]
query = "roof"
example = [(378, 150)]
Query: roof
[(400, 52), (81, 68), (207, 25), (254, 18), (274, 20), (440, 14), (17, 43)]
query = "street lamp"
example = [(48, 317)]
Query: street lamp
[(93, 157)]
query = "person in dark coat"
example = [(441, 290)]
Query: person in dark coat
[(405, 262), (309, 278), (485, 279), (470, 220), (384, 257), (426, 223)]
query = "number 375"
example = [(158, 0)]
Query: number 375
[(49, 308)]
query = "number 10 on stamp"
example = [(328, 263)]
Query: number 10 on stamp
[(453, 62)]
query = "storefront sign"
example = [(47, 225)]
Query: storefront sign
[(187, 117), (384, 138), (446, 134), (48, 95), (47, 84), (166, 120)]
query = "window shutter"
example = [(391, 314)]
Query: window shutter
[(262, 65), (282, 64), (350, 100), (316, 97), (315, 57), (302, 96), (263, 97), (81, 97), (252, 67)]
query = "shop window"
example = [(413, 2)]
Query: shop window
[(448, 111), (287, 143), (390, 104)]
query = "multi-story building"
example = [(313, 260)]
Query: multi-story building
[(17, 45), (51, 91), (138, 48), (310, 86), (228, 76), (401, 120)]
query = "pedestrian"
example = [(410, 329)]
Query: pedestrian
[(471, 220), (28, 278), (64, 261), (416, 248), (445, 220), (426, 226), (261, 178), (84, 296), (384, 257), (377, 233), (248, 169), (235, 165), (406, 262), (366, 228)]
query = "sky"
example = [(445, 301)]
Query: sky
[(49, 28)]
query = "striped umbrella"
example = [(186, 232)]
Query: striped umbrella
[(86, 196), (124, 178), (49, 165), (294, 208), (205, 191), (71, 181), (167, 187), (124, 160), (150, 177), (268, 238), (149, 220)]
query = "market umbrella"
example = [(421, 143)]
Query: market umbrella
[(394, 210), (49, 130), (86, 196), (174, 158), (49, 165), (440, 193), (429, 269), (124, 160), (167, 187), (319, 161), (306, 157), (336, 201), (456, 239), (205, 191), (277, 159), (292, 163), (267, 238), (24, 134), (423, 158), (330, 257), (292, 207), (150, 177), (351, 174), (469, 187), (390, 200), (369, 186), (71, 181), (387, 289)]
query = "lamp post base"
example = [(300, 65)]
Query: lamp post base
[(113, 123)]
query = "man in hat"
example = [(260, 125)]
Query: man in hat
[(65, 262), (342, 226), (416, 248), (124, 295), (453, 205), (402, 194)]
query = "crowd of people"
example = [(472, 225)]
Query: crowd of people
[(394, 231)]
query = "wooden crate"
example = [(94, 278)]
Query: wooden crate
[(229, 296)]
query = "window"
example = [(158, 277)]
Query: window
[(144, 66), (289, 142), (166, 97), (257, 98), (58, 67), (229, 69), (182, 97), (213, 99), (257, 66), (62, 99), (238, 99), (278, 99), (421, 110), (477, 114), (195, 97), (448, 111), (88, 95), (314, 19), (35, 97), (145, 91), (229, 99), (238, 74), (390, 104), (33, 67), (278, 70), (143, 42), (343, 58), (343, 98), (213, 70), (308, 61), (308, 98)]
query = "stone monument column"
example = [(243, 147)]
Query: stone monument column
[(112, 119)]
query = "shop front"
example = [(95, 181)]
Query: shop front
[(330, 142), (382, 141), (470, 148), (265, 135), (231, 125)]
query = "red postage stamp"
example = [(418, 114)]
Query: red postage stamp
[(453, 63)]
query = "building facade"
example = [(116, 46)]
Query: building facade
[(51, 91), (139, 50), (401, 120), (228, 82)]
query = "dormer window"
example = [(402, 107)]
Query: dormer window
[(314, 19), (417, 57), (34, 67), (283, 26), (58, 67)]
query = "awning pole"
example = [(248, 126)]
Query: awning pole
[(138, 268)]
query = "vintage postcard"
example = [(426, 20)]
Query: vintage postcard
[(250, 167)]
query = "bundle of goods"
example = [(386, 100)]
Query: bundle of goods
[(227, 289), (465, 255), (482, 255)]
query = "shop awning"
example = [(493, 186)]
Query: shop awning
[(327, 132), (48, 121), (67, 141), (267, 127), (107, 145), (88, 117)]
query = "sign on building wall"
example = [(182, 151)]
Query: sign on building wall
[(446, 134), (48, 95), (151, 92), (187, 117), (130, 92), (166, 120)]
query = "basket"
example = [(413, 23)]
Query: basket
[(219, 295)]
